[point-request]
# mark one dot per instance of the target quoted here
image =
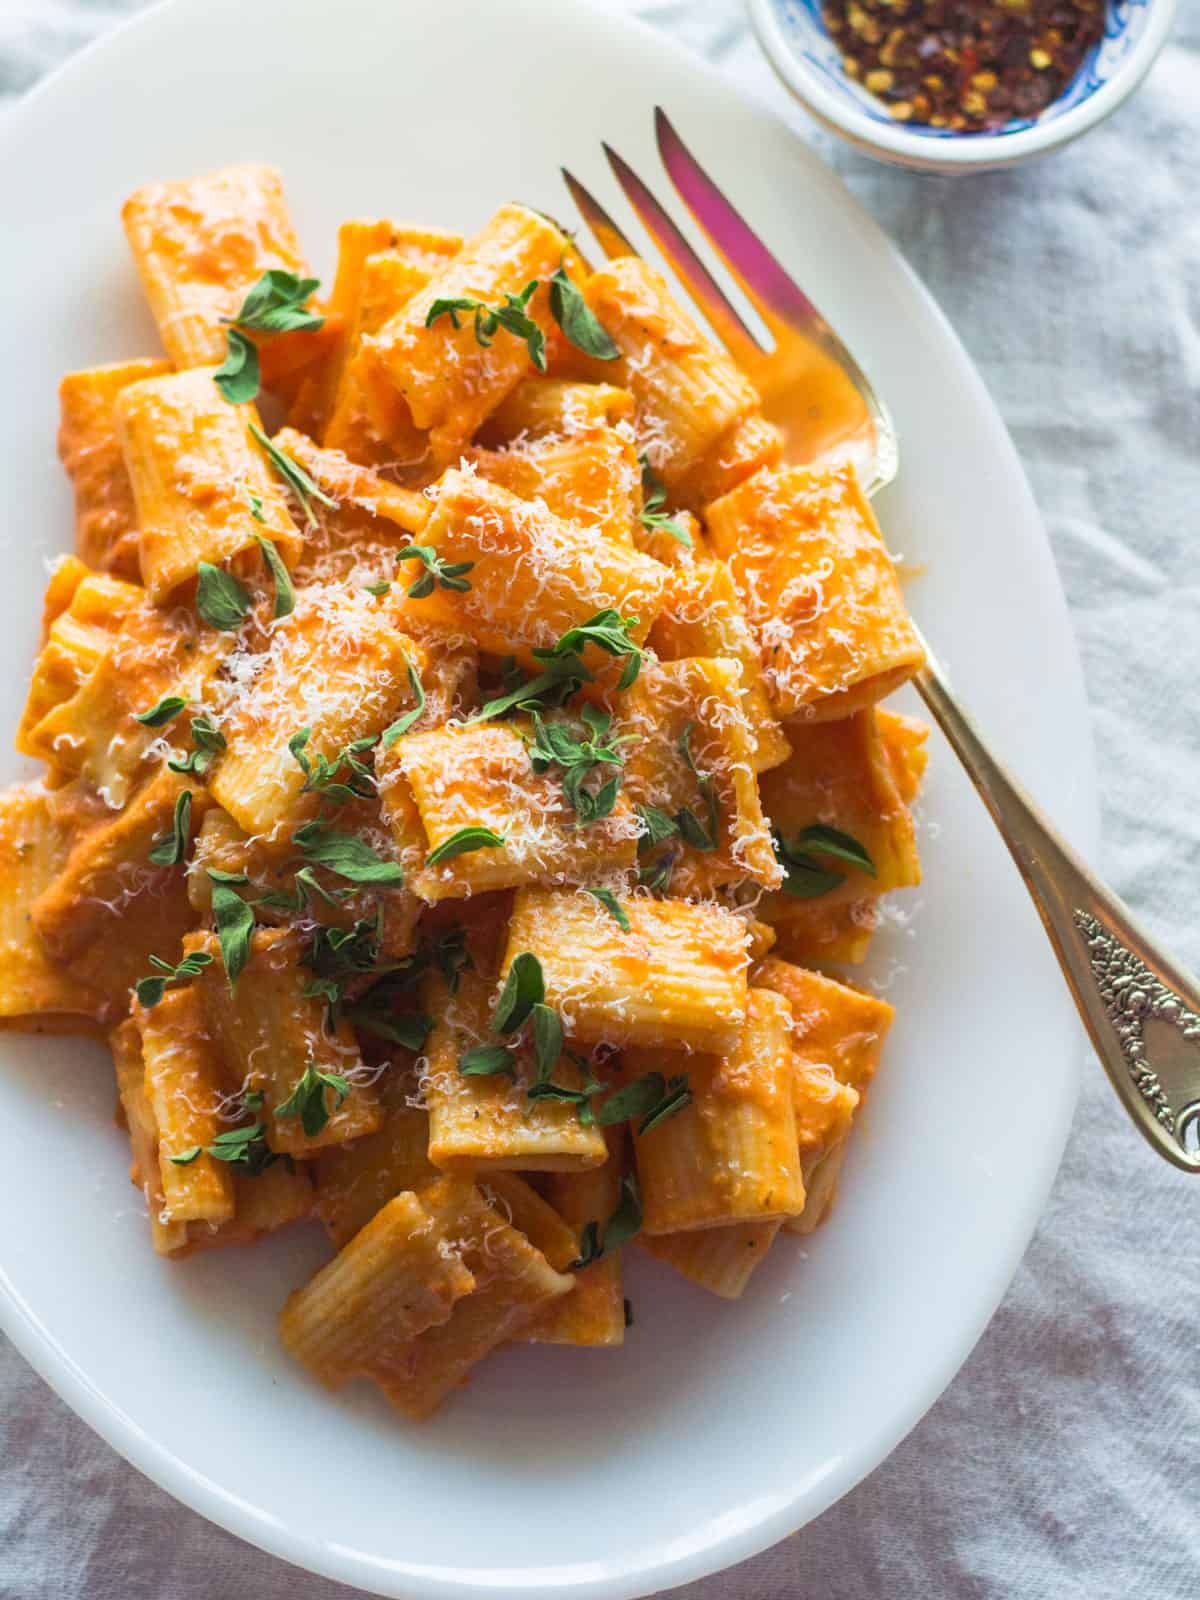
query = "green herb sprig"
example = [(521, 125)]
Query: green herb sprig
[(578, 321), (309, 1099), (274, 305), (240, 1147), (650, 1099), (207, 743), (625, 1222), (805, 876), (404, 723), (579, 755), (691, 828), (293, 474), (613, 906), (513, 316), (285, 593), (234, 922), (438, 574), (150, 991), (221, 600), (158, 715), (343, 778), (652, 515), (607, 630), (347, 856), (463, 841), (170, 849), (336, 956)]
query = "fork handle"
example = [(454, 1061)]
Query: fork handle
[(1141, 1010)]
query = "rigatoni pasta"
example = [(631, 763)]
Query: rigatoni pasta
[(819, 589), (448, 793)]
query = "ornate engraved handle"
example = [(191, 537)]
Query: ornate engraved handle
[(1141, 1010)]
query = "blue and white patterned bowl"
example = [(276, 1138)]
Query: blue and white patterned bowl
[(800, 49)]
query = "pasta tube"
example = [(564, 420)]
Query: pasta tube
[(688, 392), (200, 244), (201, 481), (398, 1276), (275, 1037), (677, 977), (591, 479), (446, 378), (185, 1085), (433, 785), (35, 841), (513, 1282), (731, 1154), (490, 1122), (355, 1180), (106, 528), (819, 589), (336, 667), (692, 761), (543, 407), (532, 576), (702, 616), (111, 908), (720, 1260)]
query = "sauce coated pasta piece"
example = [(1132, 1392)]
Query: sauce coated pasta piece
[(702, 616), (819, 590), (513, 1281), (199, 244), (532, 576), (398, 1276), (541, 408), (677, 975), (359, 240), (267, 1199), (83, 614), (106, 527), (691, 763), (720, 1259), (435, 785), (203, 485), (489, 1121), (593, 1314), (841, 776), (93, 733), (592, 479), (447, 378), (36, 992), (689, 394), (111, 907), (356, 1179), (186, 1083), (838, 1033), (731, 1154), (273, 1029), (336, 667)]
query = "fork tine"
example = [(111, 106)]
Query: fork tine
[(689, 269), (769, 288), (605, 231)]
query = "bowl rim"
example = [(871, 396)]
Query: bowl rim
[(892, 142)]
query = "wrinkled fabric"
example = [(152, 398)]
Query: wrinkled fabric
[(1064, 1461)]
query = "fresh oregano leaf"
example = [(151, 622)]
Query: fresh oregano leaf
[(221, 600)]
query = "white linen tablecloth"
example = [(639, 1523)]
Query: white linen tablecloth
[(1064, 1461)]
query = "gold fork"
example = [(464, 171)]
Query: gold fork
[(1141, 1009)]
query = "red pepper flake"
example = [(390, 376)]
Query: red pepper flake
[(964, 64)]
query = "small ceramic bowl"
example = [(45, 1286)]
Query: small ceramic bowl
[(800, 49)]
